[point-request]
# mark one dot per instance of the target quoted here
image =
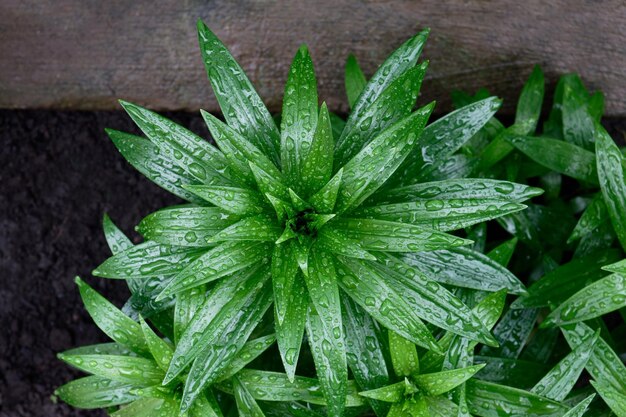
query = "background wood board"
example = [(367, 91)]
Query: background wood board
[(82, 54)]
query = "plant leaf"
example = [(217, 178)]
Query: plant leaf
[(612, 182), (111, 320), (382, 301), (390, 393), (337, 242), (317, 164), (159, 349), (463, 267), (95, 392), (260, 228), (403, 356), (512, 333), (147, 259), (529, 102), (578, 125), (594, 215), (557, 383), (246, 404), (187, 305), (185, 226), (241, 106), (125, 369), (395, 102), (579, 409), (616, 400), (284, 270), (324, 200), (250, 351), (238, 201), (220, 261), (354, 80), (442, 382), (299, 117), (381, 235)]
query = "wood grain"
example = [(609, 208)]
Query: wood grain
[(84, 54)]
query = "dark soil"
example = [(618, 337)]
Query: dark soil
[(59, 174)]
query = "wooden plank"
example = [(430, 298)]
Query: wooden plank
[(84, 54)]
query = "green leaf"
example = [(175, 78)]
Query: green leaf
[(381, 235), (557, 383), (382, 301), (442, 382), (595, 300), (512, 333), (202, 161), (161, 351), (187, 305), (604, 364), (445, 136), (578, 125), (354, 80), (241, 106), (227, 334), (206, 406), (321, 283), (400, 61), (317, 164), (329, 357), (612, 182), (125, 369), (146, 158), (250, 351), (377, 161), (299, 117), (529, 103), (616, 400), (268, 184), (226, 297), (337, 124), (395, 102), (95, 392), (517, 373), (111, 320), (431, 301), (274, 386), (493, 400), (110, 348), (457, 189), (463, 267), (364, 350), (246, 404), (185, 226), (391, 393), (403, 356), (290, 330), (579, 409), (259, 228), (147, 407), (560, 284), (220, 261), (148, 259), (284, 270), (324, 200), (234, 200), (289, 409), (562, 157), (338, 243), (116, 239), (594, 215), (238, 150), (143, 299), (503, 252)]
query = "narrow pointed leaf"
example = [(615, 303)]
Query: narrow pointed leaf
[(159, 349), (185, 226), (442, 382), (378, 160), (390, 394), (201, 160), (290, 330), (299, 117), (238, 149), (512, 333), (260, 228), (187, 305), (125, 369), (403, 356), (324, 200), (95, 392), (578, 124), (111, 320), (322, 286), (234, 200), (354, 80), (557, 383), (463, 267), (382, 301), (594, 215), (223, 260), (147, 407), (148, 259), (381, 235), (562, 157), (337, 242), (492, 400), (616, 400), (395, 102), (246, 404), (241, 106), (445, 136), (612, 182), (269, 184), (250, 351), (329, 356), (529, 102), (503, 252), (284, 271), (579, 409), (317, 164)]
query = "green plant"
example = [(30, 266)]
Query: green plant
[(369, 236)]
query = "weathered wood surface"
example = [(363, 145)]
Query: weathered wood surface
[(84, 54)]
